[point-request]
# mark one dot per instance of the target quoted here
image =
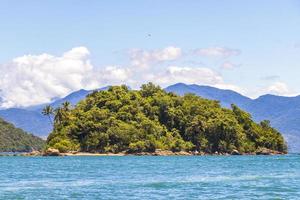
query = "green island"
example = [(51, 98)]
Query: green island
[(150, 119), (13, 139)]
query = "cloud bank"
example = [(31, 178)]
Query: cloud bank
[(229, 65), (279, 88), (142, 58), (221, 52), (37, 79), (190, 75)]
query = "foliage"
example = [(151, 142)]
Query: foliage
[(15, 140), (120, 119)]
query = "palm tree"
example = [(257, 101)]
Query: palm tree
[(48, 111), (59, 115), (66, 106)]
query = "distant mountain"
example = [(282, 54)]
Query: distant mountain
[(74, 97), (13, 139), (283, 112), (31, 119), (226, 97)]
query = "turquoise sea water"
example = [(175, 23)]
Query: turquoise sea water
[(130, 177)]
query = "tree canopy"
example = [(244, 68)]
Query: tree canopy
[(144, 120)]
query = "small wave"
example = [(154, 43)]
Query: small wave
[(160, 185), (49, 184), (210, 179)]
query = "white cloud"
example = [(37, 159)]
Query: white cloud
[(221, 52), (276, 88), (175, 74), (279, 88), (113, 75), (190, 75), (36, 79), (142, 58), (229, 65)]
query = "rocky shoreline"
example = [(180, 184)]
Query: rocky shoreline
[(55, 152)]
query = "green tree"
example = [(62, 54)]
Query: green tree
[(148, 119), (48, 111)]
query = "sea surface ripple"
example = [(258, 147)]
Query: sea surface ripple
[(148, 177)]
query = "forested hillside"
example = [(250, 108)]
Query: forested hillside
[(120, 119), (282, 112), (15, 140)]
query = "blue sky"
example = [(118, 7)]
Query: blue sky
[(264, 34)]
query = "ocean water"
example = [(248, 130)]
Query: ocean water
[(148, 177)]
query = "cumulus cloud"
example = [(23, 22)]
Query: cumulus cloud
[(175, 74), (191, 75), (36, 79), (219, 52), (142, 58), (113, 75), (276, 88), (279, 88)]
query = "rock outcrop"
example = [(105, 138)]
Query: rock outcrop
[(235, 152), (265, 151), (52, 152)]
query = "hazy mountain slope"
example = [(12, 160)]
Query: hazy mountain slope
[(74, 97), (273, 106), (14, 139), (284, 114), (226, 97), (28, 120)]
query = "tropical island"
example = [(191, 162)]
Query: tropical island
[(120, 120), (13, 139)]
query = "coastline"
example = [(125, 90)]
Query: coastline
[(54, 152)]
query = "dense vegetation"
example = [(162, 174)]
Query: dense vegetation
[(120, 119), (15, 140)]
